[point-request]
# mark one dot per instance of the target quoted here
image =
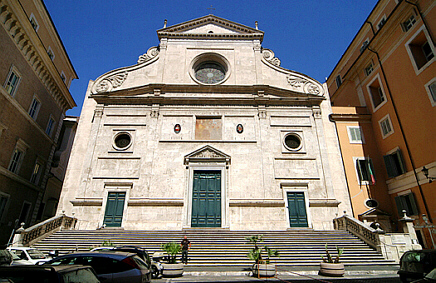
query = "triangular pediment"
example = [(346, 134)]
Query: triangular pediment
[(211, 27), (207, 154)]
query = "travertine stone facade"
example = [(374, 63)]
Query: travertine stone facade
[(208, 100)]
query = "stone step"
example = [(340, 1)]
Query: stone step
[(223, 247)]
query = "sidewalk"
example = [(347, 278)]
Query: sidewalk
[(371, 274)]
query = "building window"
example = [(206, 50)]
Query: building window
[(50, 53), (292, 142), (420, 49), (338, 81), (376, 93), (381, 23), (34, 179), (394, 164), (355, 134), (408, 24), (430, 87), (369, 69), (407, 203), (364, 45), (34, 108), (12, 81), (122, 141), (365, 171), (50, 126), (386, 126), (16, 160), (3, 202), (33, 22), (208, 128)]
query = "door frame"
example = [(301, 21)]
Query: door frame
[(115, 187), (190, 183), (296, 188)]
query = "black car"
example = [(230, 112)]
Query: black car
[(156, 268), (120, 267), (48, 274), (416, 264)]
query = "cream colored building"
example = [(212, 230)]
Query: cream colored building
[(205, 130)]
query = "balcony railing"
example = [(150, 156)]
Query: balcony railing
[(390, 245), (26, 237)]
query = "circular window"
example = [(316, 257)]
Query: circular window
[(292, 142), (209, 69), (122, 141), (210, 73)]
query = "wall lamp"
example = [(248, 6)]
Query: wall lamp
[(425, 171)]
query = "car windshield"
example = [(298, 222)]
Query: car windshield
[(35, 254)]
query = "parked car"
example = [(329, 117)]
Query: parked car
[(27, 256), (431, 277), (120, 267), (416, 264), (48, 274), (156, 266)]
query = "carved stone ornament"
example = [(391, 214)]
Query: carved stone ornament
[(268, 55), (303, 85), (111, 82), (151, 53), (207, 154)]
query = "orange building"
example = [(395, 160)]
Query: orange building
[(383, 92)]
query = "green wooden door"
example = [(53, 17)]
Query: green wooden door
[(113, 215), (206, 199), (297, 210)]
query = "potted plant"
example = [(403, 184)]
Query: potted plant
[(261, 266), (331, 266), (171, 268)]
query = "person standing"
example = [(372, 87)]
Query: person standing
[(186, 246)]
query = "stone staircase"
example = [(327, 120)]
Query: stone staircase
[(212, 247)]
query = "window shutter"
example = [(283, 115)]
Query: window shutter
[(399, 156), (359, 170), (390, 166), (414, 207), (399, 203)]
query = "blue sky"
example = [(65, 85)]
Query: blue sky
[(308, 36)]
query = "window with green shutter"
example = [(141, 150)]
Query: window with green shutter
[(407, 203), (365, 170), (394, 164)]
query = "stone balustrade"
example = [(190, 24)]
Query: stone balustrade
[(26, 237), (390, 245)]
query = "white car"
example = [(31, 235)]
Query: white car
[(27, 256)]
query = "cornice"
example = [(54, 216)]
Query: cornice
[(14, 20), (243, 32), (241, 95)]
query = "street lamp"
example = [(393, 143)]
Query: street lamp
[(425, 171)]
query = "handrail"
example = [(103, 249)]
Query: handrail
[(25, 237), (383, 242)]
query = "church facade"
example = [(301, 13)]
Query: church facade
[(206, 130)]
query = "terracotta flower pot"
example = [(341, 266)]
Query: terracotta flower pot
[(264, 270), (172, 270), (332, 269)]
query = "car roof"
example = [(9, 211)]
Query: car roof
[(113, 254), (21, 248)]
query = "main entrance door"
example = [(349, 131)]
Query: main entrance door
[(297, 210), (113, 215), (206, 199)]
